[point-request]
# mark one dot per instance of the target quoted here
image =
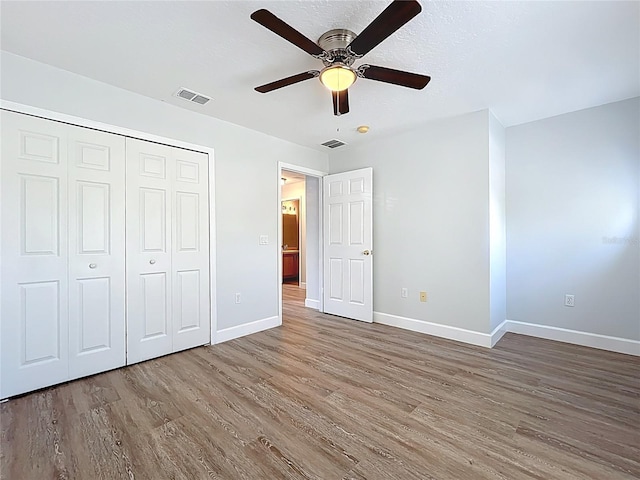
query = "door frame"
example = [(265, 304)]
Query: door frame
[(128, 132), (311, 173)]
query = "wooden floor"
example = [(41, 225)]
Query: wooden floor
[(328, 398)]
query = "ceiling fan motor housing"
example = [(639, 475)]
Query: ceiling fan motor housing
[(334, 43)]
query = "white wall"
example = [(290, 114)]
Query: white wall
[(572, 220), (431, 220), (292, 191), (245, 161), (497, 239), (312, 191)]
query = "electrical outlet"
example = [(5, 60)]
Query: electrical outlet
[(569, 300), (237, 298), (423, 296), (404, 293), (263, 240)]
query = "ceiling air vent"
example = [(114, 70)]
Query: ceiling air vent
[(334, 143), (201, 99), (192, 96)]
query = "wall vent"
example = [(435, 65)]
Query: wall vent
[(333, 143), (192, 96)]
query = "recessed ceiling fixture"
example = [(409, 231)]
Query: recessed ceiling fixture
[(192, 96), (339, 49), (363, 128)]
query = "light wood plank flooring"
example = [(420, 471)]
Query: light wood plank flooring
[(328, 398)]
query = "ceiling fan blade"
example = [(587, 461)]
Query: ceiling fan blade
[(397, 77), (340, 102), (286, 31), (390, 20), (283, 82)]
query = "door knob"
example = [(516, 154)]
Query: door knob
[(92, 265), (152, 261), (367, 252)]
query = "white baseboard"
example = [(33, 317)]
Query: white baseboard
[(498, 333), (315, 304), (230, 333), (302, 284), (594, 340), (437, 330)]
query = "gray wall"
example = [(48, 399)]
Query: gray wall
[(497, 214), (313, 238), (572, 220), (572, 205), (431, 220), (245, 161)]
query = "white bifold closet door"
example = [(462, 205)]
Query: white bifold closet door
[(96, 251), (167, 250), (62, 267)]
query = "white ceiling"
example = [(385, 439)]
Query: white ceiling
[(523, 60)]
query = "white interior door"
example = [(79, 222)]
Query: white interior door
[(34, 281), (190, 249), (96, 251), (148, 250), (347, 242)]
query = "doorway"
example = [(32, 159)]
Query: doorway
[(338, 241), (299, 232), (293, 230)]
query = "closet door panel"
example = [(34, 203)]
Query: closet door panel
[(33, 283), (190, 257), (96, 251), (70, 304), (149, 239)]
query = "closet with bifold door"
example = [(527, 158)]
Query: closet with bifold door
[(167, 249), (104, 251)]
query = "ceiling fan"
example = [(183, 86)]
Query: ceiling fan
[(338, 49)]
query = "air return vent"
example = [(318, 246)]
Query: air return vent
[(334, 143), (192, 96), (201, 99)]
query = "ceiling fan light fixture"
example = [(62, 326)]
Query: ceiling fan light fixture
[(337, 77)]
